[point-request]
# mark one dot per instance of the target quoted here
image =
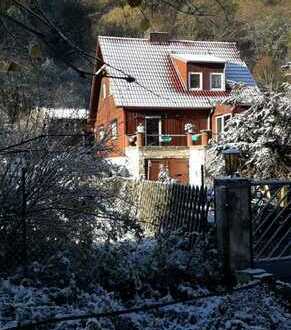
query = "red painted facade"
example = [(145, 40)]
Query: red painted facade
[(181, 70), (104, 113), (107, 115), (224, 110), (206, 69), (172, 121), (180, 73)]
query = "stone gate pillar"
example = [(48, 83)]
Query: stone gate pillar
[(233, 219)]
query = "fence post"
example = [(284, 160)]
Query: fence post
[(23, 219), (233, 220), (202, 176)]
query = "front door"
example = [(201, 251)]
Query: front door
[(152, 131), (178, 169)]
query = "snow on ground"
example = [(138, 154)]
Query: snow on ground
[(132, 274), (253, 309)]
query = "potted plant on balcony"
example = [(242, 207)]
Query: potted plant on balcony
[(196, 137), (140, 128), (166, 139), (189, 129)]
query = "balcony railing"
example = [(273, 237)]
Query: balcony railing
[(165, 140), (152, 140)]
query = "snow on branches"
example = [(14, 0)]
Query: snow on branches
[(263, 136), (52, 187)]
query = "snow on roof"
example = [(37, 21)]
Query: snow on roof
[(201, 58), (66, 113), (157, 83)]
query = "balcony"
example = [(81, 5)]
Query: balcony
[(165, 140), (141, 139)]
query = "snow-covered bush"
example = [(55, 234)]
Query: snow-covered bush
[(254, 308), (52, 194), (263, 136), (129, 268)]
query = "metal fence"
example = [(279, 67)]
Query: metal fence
[(271, 219)]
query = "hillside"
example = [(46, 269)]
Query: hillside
[(260, 27)]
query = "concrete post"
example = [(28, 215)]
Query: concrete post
[(233, 219), (140, 139), (205, 136), (189, 139)]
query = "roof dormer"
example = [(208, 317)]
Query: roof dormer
[(200, 72)]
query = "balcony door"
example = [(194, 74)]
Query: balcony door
[(153, 130)]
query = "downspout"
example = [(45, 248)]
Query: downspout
[(209, 127), (209, 121)]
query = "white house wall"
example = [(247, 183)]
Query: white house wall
[(134, 159), (196, 159)]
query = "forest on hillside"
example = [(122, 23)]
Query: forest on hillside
[(260, 27)]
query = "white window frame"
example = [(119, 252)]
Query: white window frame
[(222, 122), (115, 129), (222, 81), (201, 81)]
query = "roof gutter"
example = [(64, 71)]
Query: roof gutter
[(146, 107)]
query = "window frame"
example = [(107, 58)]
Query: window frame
[(101, 133), (200, 80), (222, 81), (114, 122), (160, 127), (222, 117)]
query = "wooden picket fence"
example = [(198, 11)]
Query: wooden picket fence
[(162, 207)]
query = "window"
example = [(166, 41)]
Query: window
[(221, 122), (153, 130), (219, 128), (195, 81), (216, 81), (114, 129)]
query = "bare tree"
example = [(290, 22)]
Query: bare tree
[(53, 195)]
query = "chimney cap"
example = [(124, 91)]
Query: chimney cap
[(159, 37)]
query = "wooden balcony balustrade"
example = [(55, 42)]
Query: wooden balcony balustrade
[(168, 140)]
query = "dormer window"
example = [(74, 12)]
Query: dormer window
[(195, 81), (217, 81)]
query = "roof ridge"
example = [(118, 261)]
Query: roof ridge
[(124, 38), (171, 40)]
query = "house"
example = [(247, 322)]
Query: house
[(64, 124), (73, 120), (161, 100)]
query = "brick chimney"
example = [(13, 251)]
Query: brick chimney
[(159, 37)]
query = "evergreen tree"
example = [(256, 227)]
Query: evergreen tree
[(263, 136)]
